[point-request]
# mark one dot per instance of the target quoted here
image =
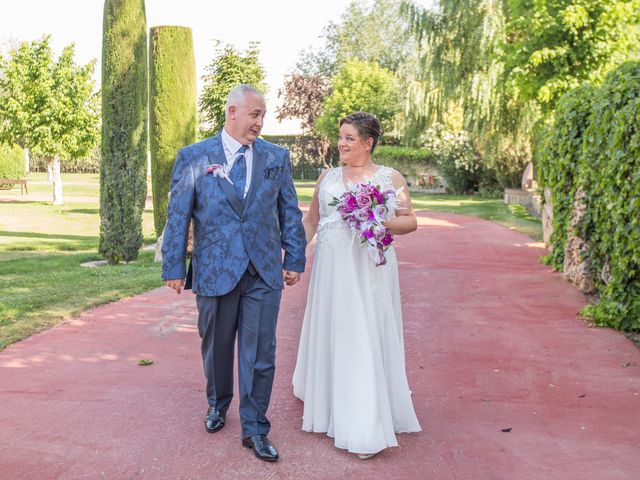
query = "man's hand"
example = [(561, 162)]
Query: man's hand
[(291, 278), (176, 284)]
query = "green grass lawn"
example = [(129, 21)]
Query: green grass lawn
[(42, 247), (514, 217)]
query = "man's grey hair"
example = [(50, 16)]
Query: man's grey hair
[(237, 94)]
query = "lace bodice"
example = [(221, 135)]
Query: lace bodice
[(333, 185)]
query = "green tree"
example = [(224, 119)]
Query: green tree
[(359, 86), (557, 45), (228, 69), (123, 186), (504, 64), (48, 106), (462, 68), (172, 101), (375, 32)]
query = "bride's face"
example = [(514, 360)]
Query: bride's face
[(353, 151)]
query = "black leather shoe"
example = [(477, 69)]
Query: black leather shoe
[(214, 420), (262, 447)]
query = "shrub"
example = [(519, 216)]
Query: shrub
[(455, 158), (172, 100), (408, 161), (123, 186), (90, 164), (11, 163)]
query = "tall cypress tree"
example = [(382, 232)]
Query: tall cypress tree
[(123, 186), (172, 121)]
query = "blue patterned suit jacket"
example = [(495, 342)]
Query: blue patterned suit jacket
[(227, 235)]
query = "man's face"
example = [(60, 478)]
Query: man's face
[(245, 120)]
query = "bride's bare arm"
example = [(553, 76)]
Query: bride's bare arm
[(312, 217), (405, 221)]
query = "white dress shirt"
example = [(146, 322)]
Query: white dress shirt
[(231, 147)]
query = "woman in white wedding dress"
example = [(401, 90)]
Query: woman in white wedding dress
[(350, 370)]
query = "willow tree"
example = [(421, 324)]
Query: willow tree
[(462, 72), (172, 100), (123, 186), (505, 63)]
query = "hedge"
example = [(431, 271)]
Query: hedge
[(172, 114), (601, 156), (79, 165), (559, 162), (12, 163), (408, 161), (306, 154), (123, 187)]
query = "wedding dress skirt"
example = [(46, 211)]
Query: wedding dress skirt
[(350, 370)]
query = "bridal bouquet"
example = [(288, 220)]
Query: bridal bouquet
[(364, 208)]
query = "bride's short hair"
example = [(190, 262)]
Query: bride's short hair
[(367, 125)]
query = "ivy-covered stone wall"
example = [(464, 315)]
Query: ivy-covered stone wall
[(593, 152)]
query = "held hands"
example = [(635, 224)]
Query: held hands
[(176, 284), (291, 278)]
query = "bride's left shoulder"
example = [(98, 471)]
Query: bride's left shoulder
[(391, 171)]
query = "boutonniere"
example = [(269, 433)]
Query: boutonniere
[(217, 170)]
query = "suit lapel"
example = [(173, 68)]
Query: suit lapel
[(257, 173), (217, 156)]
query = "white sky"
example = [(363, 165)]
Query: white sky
[(283, 28)]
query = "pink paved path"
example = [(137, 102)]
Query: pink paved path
[(492, 342)]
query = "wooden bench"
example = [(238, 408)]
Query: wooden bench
[(15, 181)]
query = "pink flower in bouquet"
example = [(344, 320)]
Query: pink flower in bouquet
[(375, 193), (362, 214), (379, 232), (353, 223), (364, 208), (387, 240), (342, 209), (381, 212), (368, 233), (364, 199), (350, 202)]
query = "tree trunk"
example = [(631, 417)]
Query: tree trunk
[(27, 161), (53, 171)]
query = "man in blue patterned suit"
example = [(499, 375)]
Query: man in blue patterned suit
[(239, 191)]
